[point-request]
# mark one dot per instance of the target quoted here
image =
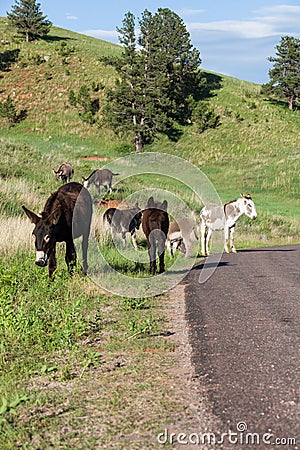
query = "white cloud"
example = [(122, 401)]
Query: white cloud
[(275, 21), (71, 17), (243, 29)]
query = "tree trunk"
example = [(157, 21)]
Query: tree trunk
[(27, 36), (291, 103), (138, 143)]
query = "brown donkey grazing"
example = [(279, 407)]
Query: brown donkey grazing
[(61, 221), (155, 224), (64, 173)]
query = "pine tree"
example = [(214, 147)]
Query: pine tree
[(157, 73), (178, 60), (8, 111), (285, 74), (27, 17)]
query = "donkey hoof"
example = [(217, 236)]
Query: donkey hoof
[(233, 250)]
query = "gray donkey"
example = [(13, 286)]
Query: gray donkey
[(124, 221), (99, 177)]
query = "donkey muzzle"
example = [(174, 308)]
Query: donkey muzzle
[(41, 259)]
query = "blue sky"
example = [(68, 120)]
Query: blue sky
[(234, 37)]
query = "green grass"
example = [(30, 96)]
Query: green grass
[(65, 334), (56, 338)]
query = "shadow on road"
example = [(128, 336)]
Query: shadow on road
[(270, 249), (211, 265)]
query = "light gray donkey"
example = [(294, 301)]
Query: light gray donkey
[(213, 218), (100, 177)]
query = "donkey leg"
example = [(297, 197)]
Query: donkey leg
[(52, 264), (233, 249), (169, 247), (188, 247), (161, 251), (70, 257), (202, 231), (152, 261), (133, 238), (84, 247), (208, 236), (226, 239), (124, 238), (162, 262), (152, 253)]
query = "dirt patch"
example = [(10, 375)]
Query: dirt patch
[(96, 158), (105, 203)]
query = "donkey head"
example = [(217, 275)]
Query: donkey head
[(56, 173), (152, 204), (158, 214), (248, 206), (43, 234), (86, 182)]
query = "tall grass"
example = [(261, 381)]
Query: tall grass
[(15, 235)]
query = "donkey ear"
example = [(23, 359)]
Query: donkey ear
[(242, 195), (32, 216), (150, 203), (164, 205)]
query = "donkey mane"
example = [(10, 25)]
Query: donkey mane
[(228, 203), (50, 204), (94, 171), (55, 200)]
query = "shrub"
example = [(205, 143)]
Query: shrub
[(204, 117)]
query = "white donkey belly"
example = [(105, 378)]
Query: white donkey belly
[(217, 225)]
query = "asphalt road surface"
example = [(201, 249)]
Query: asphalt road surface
[(245, 335)]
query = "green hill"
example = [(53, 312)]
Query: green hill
[(255, 149)]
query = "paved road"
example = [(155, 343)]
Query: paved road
[(245, 334)]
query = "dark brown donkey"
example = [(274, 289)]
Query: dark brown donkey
[(67, 215), (155, 224)]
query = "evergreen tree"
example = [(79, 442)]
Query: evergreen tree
[(157, 73), (87, 106), (285, 74), (8, 111), (177, 60), (27, 17)]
